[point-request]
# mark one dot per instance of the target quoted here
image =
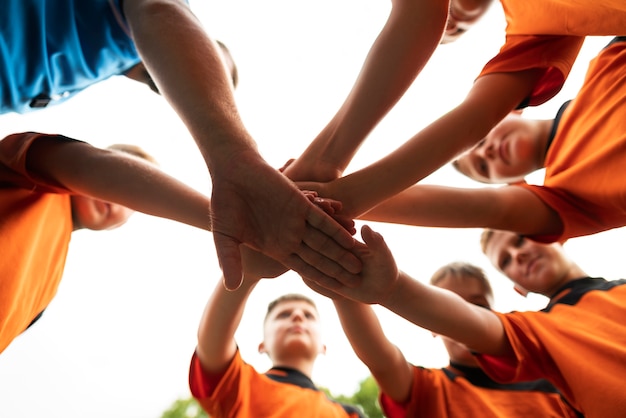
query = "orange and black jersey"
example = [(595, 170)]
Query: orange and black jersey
[(460, 391), (578, 343), (242, 392)]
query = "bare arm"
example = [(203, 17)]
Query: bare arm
[(216, 333), (384, 360), (252, 203), (509, 208), (404, 45), (187, 67), (432, 308), (446, 313), (117, 178), (436, 144)]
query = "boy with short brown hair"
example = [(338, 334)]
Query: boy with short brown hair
[(578, 342), (226, 386), (460, 389)]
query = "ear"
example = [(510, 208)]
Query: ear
[(519, 289), (323, 349)]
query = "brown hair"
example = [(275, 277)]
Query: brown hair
[(133, 150), (289, 297), (460, 270)]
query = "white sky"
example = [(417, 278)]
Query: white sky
[(117, 339)]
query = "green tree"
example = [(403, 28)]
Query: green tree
[(185, 408), (365, 397)]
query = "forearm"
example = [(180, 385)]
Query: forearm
[(509, 208), (415, 159), (438, 206), (446, 313), (367, 338), (437, 144), (221, 318), (403, 47), (186, 65), (115, 177)]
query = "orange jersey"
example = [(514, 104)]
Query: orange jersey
[(578, 343), (548, 34), (242, 392), (469, 392), (582, 182), (35, 228)]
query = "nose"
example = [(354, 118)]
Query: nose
[(488, 150), (297, 315), (519, 255)]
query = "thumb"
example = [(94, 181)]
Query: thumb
[(373, 239), (229, 257)]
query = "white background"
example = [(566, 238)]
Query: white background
[(117, 339)]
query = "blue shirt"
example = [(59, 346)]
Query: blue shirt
[(52, 49)]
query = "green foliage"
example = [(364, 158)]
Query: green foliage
[(185, 408), (366, 397)]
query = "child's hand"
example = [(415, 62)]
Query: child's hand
[(379, 274), (331, 207)]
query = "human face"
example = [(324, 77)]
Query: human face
[(473, 292), (511, 150), (292, 331), (97, 214), (462, 14), (533, 267)]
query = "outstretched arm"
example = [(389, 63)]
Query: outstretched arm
[(429, 307), (438, 143), (252, 203), (384, 360), (405, 44), (115, 177), (216, 333), (510, 208)]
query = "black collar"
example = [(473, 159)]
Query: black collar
[(291, 376), (297, 378)]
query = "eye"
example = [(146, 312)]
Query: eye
[(483, 168), (283, 314), (504, 262), (519, 241), (309, 315)]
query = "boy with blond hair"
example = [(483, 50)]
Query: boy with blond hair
[(582, 323), (582, 149), (460, 389), (52, 185)]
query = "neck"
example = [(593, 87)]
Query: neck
[(544, 128), (573, 273)]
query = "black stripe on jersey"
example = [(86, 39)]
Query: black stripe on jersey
[(477, 377), (580, 287)]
